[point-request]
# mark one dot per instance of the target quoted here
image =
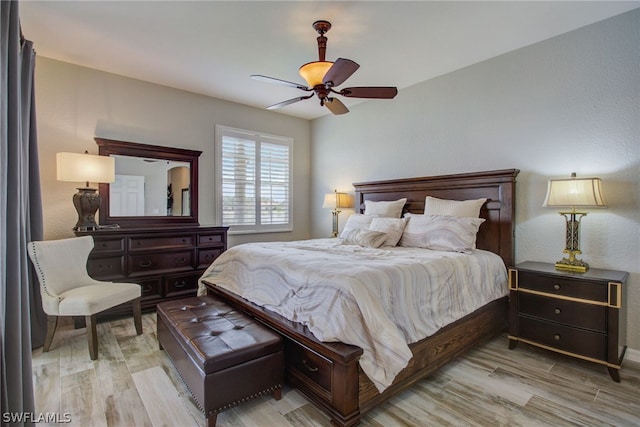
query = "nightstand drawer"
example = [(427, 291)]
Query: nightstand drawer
[(581, 315), (565, 286), (566, 338)]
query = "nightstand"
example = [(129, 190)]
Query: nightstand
[(572, 313)]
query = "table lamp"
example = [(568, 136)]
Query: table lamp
[(74, 167), (574, 193), (336, 201)]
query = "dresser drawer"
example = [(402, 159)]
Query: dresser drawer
[(145, 264), (206, 256), (161, 242), (581, 315), (208, 239), (309, 364), (150, 287), (181, 283), (573, 340), (105, 245), (564, 286), (106, 268)]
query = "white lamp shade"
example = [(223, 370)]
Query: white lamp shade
[(336, 201), (74, 167), (578, 192)]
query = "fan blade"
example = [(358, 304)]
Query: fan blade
[(383, 92), (288, 102), (279, 82), (335, 106), (340, 71)]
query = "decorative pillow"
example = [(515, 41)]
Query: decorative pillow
[(368, 238), (356, 221), (384, 209), (440, 232), (460, 208), (392, 227)]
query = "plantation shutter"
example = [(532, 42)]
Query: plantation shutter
[(255, 180)]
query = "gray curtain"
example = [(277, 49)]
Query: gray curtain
[(20, 218)]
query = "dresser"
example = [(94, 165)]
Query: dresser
[(165, 261), (572, 313)]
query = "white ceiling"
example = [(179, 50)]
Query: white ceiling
[(212, 47)]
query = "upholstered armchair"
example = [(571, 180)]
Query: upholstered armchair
[(68, 290)]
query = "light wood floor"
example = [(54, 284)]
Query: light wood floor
[(134, 384)]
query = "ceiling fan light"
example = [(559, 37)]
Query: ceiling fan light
[(313, 72)]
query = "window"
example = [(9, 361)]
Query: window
[(254, 180)]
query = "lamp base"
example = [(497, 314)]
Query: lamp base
[(86, 202), (334, 222), (575, 265)]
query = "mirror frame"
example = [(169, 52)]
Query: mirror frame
[(106, 147)]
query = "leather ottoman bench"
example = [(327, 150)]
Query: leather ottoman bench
[(223, 356)]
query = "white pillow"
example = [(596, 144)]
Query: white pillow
[(356, 221), (461, 208), (368, 238), (392, 227), (384, 209), (440, 232)]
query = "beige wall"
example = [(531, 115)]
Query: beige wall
[(568, 104), (76, 104)]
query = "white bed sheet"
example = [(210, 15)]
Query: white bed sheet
[(378, 299)]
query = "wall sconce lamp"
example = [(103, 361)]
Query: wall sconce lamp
[(336, 201), (574, 193), (74, 167)]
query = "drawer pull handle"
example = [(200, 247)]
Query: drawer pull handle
[(179, 260), (180, 284), (146, 289), (145, 264), (556, 287), (557, 311), (556, 337), (309, 368)]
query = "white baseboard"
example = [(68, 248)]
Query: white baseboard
[(632, 355)]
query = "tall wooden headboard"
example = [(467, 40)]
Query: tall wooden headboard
[(496, 234)]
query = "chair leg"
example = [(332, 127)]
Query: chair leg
[(52, 323), (137, 315), (92, 336)]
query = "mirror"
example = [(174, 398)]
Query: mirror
[(154, 185)]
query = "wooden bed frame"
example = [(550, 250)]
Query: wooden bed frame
[(328, 373)]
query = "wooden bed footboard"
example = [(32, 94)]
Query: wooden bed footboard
[(329, 373)]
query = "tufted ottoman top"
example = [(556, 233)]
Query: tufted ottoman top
[(216, 336)]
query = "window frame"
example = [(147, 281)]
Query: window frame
[(258, 137)]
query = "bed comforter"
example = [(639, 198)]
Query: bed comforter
[(378, 299)]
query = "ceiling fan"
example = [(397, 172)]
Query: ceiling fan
[(323, 76)]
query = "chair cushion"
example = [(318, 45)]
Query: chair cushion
[(92, 299)]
